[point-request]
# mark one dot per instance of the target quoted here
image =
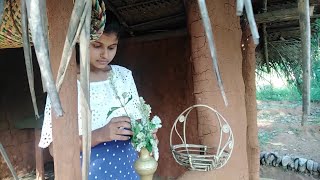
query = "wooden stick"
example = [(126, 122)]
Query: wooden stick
[(75, 25), (84, 100), (7, 160), (240, 6), (252, 22), (306, 60), (280, 15), (42, 51), (209, 34), (1, 10), (265, 37), (39, 155), (28, 56)]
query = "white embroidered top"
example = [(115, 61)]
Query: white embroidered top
[(102, 98)]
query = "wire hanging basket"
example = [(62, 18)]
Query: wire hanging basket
[(202, 157)]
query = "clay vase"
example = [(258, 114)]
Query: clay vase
[(145, 165)]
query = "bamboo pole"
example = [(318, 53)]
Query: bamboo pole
[(265, 37), (84, 100), (29, 68), (28, 56), (240, 6), (7, 160), (209, 34), (75, 25), (252, 22), (304, 21), (42, 51)]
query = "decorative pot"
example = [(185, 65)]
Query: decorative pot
[(145, 165)]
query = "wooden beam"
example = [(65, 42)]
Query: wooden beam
[(39, 155), (306, 53), (284, 34), (66, 149), (265, 37), (281, 15)]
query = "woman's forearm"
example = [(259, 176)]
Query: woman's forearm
[(96, 138)]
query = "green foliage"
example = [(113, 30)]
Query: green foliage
[(278, 94), (291, 69)]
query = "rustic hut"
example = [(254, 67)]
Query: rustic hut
[(165, 46)]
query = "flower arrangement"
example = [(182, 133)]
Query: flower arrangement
[(142, 129)]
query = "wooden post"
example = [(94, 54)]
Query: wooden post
[(84, 98), (7, 160), (306, 61), (66, 149), (281, 15), (248, 73), (39, 155), (265, 37)]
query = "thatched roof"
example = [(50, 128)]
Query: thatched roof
[(283, 31)]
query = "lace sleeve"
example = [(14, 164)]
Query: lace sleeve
[(46, 133)]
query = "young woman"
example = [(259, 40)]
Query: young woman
[(112, 155)]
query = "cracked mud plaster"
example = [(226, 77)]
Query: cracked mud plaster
[(227, 35)]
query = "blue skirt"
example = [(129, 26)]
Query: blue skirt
[(113, 160)]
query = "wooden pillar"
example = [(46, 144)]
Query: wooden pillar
[(66, 149), (227, 36), (265, 37), (248, 73), (39, 155), (304, 14)]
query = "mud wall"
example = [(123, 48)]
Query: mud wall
[(162, 71), (16, 106), (227, 35)]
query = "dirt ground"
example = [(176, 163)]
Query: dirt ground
[(280, 131)]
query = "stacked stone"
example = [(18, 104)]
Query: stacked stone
[(290, 163)]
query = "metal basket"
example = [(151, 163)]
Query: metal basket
[(200, 157)]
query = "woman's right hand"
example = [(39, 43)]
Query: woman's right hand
[(117, 129)]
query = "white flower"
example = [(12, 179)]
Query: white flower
[(145, 109), (141, 135), (155, 149), (156, 121), (156, 153), (141, 145)]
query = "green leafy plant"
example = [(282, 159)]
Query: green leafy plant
[(143, 128)]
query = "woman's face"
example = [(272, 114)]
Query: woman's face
[(103, 50)]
